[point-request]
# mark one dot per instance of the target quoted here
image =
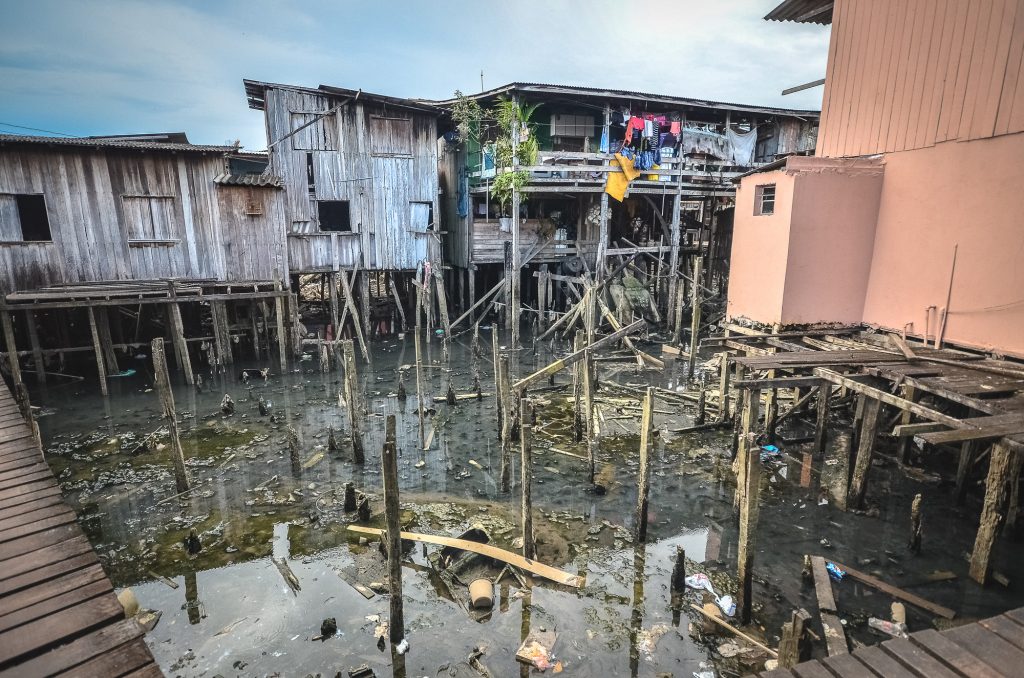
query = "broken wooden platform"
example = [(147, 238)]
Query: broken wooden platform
[(989, 648), (58, 611)]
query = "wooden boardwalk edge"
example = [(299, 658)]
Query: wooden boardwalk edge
[(58, 610)]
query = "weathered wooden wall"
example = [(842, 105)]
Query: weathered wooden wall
[(379, 158), (90, 196), (907, 74), (451, 158)]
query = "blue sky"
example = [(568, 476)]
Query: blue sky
[(121, 66)]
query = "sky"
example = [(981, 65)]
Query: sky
[(125, 66)]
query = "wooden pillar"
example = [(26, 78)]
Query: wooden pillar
[(98, 350), (644, 471), (517, 263), (723, 387), (771, 410), (525, 473), (221, 334), (180, 345), (792, 635), (393, 535), (695, 304), (542, 298), (332, 281), (354, 398), (12, 348), (506, 424), (442, 303), (507, 315), (282, 338), (991, 516), (350, 306), (676, 312), (37, 352), (750, 491), (865, 448), (1012, 511), (673, 266), (364, 302), (602, 237), (821, 426), (254, 321), (163, 386), (747, 446), (106, 340), (968, 449), (903, 444), (496, 356)]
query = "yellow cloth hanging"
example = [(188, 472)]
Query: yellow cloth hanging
[(618, 182)]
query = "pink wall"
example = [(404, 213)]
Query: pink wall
[(835, 205), (760, 246), (968, 194)]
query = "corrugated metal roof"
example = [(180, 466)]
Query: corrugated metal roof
[(255, 93), (603, 93), (116, 143), (803, 11), (255, 180)]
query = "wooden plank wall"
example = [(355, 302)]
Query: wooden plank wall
[(211, 236), (906, 74), (378, 175)]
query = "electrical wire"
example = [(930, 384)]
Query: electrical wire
[(36, 129)]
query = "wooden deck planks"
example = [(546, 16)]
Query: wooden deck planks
[(58, 611)]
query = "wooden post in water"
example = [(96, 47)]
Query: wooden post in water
[(332, 281), (578, 422), (222, 331), (968, 450), (420, 411), (695, 305), (496, 357), (37, 351), (821, 426), (907, 392), (525, 472), (282, 338), (354, 398), (865, 448), (393, 535), (542, 298), (991, 516), (506, 425), (163, 387), (12, 348), (749, 509), (644, 471), (915, 524), (100, 366), (723, 388), (747, 446)]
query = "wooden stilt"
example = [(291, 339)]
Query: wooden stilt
[(644, 471), (747, 447), (496, 355), (354, 399), (821, 426), (471, 274), (181, 346), (677, 312), (332, 281), (442, 302), (163, 386), (255, 330), (12, 348), (792, 635), (865, 448), (736, 420), (1012, 511), (282, 338), (364, 304), (37, 352), (995, 488), (678, 584), (100, 367), (106, 340), (393, 536), (771, 410), (968, 449), (749, 511), (398, 303), (915, 524), (723, 388), (578, 422), (219, 340), (903, 444), (420, 396), (525, 475), (506, 425), (350, 306), (542, 297), (508, 289), (695, 308)]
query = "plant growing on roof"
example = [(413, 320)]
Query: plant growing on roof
[(467, 114), (511, 115)]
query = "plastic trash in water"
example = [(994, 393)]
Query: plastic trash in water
[(439, 332), (770, 452), (402, 647), (124, 373), (700, 581), (834, 571)]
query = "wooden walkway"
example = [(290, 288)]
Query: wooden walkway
[(985, 649), (58, 611)]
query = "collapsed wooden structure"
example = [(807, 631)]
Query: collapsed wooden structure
[(938, 397)]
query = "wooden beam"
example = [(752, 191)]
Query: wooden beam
[(991, 515), (865, 449), (806, 85), (891, 590), (887, 398), (98, 350), (576, 356), (985, 433)]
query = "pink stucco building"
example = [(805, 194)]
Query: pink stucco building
[(910, 217)]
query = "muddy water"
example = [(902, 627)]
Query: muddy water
[(256, 505)]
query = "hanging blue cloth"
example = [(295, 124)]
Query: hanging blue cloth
[(462, 200), (604, 141)]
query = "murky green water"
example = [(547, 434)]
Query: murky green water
[(233, 613)]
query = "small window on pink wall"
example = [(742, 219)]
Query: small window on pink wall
[(764, 199)]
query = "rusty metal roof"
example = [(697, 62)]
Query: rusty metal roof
[(252, 180), (111, 143), (803, 11)]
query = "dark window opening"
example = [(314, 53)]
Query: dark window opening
[(334, 216), (764, 200), (310, 177), (35, 226), (421, 216)]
